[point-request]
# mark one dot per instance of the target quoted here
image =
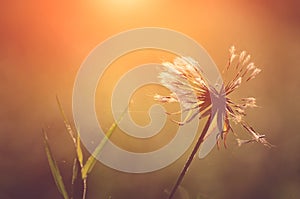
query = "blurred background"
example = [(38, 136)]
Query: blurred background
[(43, 43)]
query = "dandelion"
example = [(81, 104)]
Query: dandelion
[(187, 84)]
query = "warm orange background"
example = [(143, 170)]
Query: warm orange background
[(42, 45)]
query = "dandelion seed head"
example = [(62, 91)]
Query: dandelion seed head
[(237, 118), (249, 102), (237, 83), (185, 80), (246, 60), (256, 72), (250, 66), (242, 55), (232, 50), (165, 99)]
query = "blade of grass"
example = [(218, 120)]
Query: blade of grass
[(74, 171), (90, 163), (66, 121), (79, 151), (72, 133), (54, 169), (74, 176)]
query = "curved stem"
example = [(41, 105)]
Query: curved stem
[(190, 159)]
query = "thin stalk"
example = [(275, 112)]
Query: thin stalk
[(84, 188), (190, 159)]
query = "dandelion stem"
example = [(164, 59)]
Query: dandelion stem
[(191, 157)]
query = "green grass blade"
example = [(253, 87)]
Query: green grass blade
[(74, 176), (71, 133), (90, 163), (66, 121), (54, 169), (79, 150), (74, 171)]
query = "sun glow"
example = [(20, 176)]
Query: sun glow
[(125, 5)]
